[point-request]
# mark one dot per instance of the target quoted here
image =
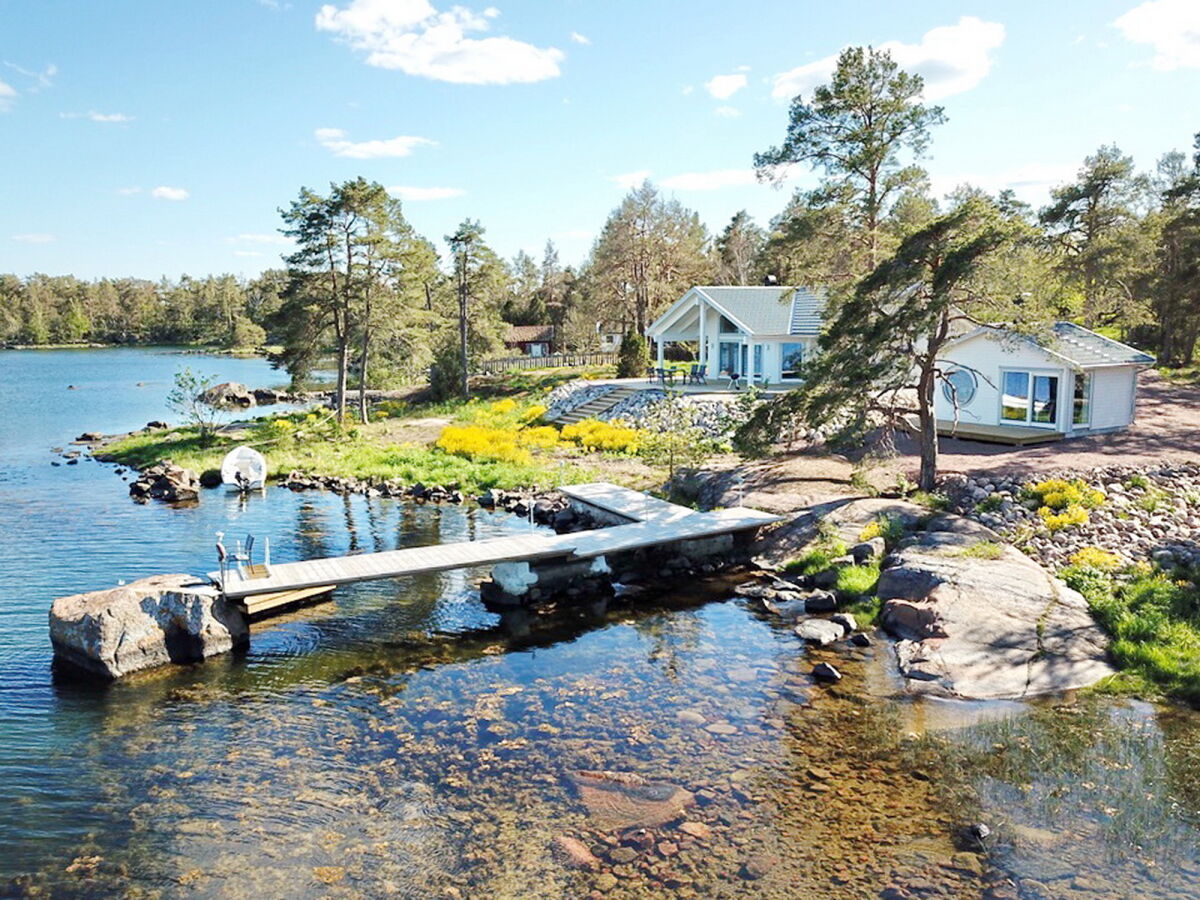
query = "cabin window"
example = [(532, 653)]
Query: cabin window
[(1029, 398), (1014, 405), (959, 387), (758, 360), (1081, 413), (791, 355)]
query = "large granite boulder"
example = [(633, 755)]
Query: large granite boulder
[(979, 619), (228, 393), (150, 622)]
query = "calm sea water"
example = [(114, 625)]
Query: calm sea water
[(402, 740)]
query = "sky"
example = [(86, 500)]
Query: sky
[(158, 137)]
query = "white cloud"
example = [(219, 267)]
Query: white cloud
[(97, 116), (34, 238), (275, 5), (578, 38), (1171, 27), (629, 180), (42, 79), (728, 112), (723, 87), (408, 192), (412, 36), (951, 59), (165, 192), (7, 96), (710, 181), (1031, 182), (334, 140)]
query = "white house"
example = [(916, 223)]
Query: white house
[(1004, 384), (1070, 383), (759, 333)]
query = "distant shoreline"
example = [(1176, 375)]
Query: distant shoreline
[(196, 349)]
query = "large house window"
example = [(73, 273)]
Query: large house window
[(1081, 413), (1029, 398), (728, 327), (758, 361), (791, 356)]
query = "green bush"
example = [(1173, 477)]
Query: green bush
[(634, 356)]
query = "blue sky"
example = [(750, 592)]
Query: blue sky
[(156, 138)]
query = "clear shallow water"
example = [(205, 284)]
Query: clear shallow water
[(403, 740)]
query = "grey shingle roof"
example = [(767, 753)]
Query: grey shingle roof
[(1087, 349), (770, 310)]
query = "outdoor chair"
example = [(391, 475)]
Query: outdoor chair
[(696, 375)]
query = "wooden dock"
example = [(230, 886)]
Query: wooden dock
[(650, 522)]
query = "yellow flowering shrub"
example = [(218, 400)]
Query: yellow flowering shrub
[(543, 437), (1058, 493), (479, 442), (592, 434), (532, 413), (507, 405), (1096, 558), (1057, 521)]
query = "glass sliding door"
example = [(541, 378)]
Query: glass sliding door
[(1014, 403), (1045, 400), (727, 357), (1029, 399)]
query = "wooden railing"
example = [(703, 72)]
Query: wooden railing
[(554, 360)]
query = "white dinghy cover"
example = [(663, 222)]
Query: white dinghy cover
[(244, 468)]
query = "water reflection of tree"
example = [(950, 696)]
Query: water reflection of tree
[(1181, 754), (312, 535), (671, 640)]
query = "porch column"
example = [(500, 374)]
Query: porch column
[(659, 344), (703, 353)]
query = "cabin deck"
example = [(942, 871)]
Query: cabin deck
[(1014, 435)]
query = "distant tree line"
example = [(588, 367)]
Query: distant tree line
[(218, 310)]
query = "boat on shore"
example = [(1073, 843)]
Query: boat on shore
[(244, 468)]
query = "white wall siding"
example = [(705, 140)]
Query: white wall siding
[(988, 357), (1113, 392)]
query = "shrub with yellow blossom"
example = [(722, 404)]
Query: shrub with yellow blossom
[(592, 434)]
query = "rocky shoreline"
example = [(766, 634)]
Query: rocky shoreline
[(1148, 512)]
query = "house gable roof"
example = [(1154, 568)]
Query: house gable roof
[(759, 310), (1074, 344), (523, 334)]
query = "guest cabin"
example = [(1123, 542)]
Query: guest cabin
[(998, 384)]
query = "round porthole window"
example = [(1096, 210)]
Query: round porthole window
[(959, 387)]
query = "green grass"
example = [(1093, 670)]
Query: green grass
[(930, 500), (352, 454), (1182, 375), (856, 581), (1154, 620), (817, 559)]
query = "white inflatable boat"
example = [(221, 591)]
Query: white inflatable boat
[(244, 468)]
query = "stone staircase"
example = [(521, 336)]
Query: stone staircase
[(597, 406)]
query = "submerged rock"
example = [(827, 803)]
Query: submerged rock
[(573, 853), (621, 800), (150, 622)]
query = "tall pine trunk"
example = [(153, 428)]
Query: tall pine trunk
[(927, 421), (343, 366), (362, 379), (462, 330)]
